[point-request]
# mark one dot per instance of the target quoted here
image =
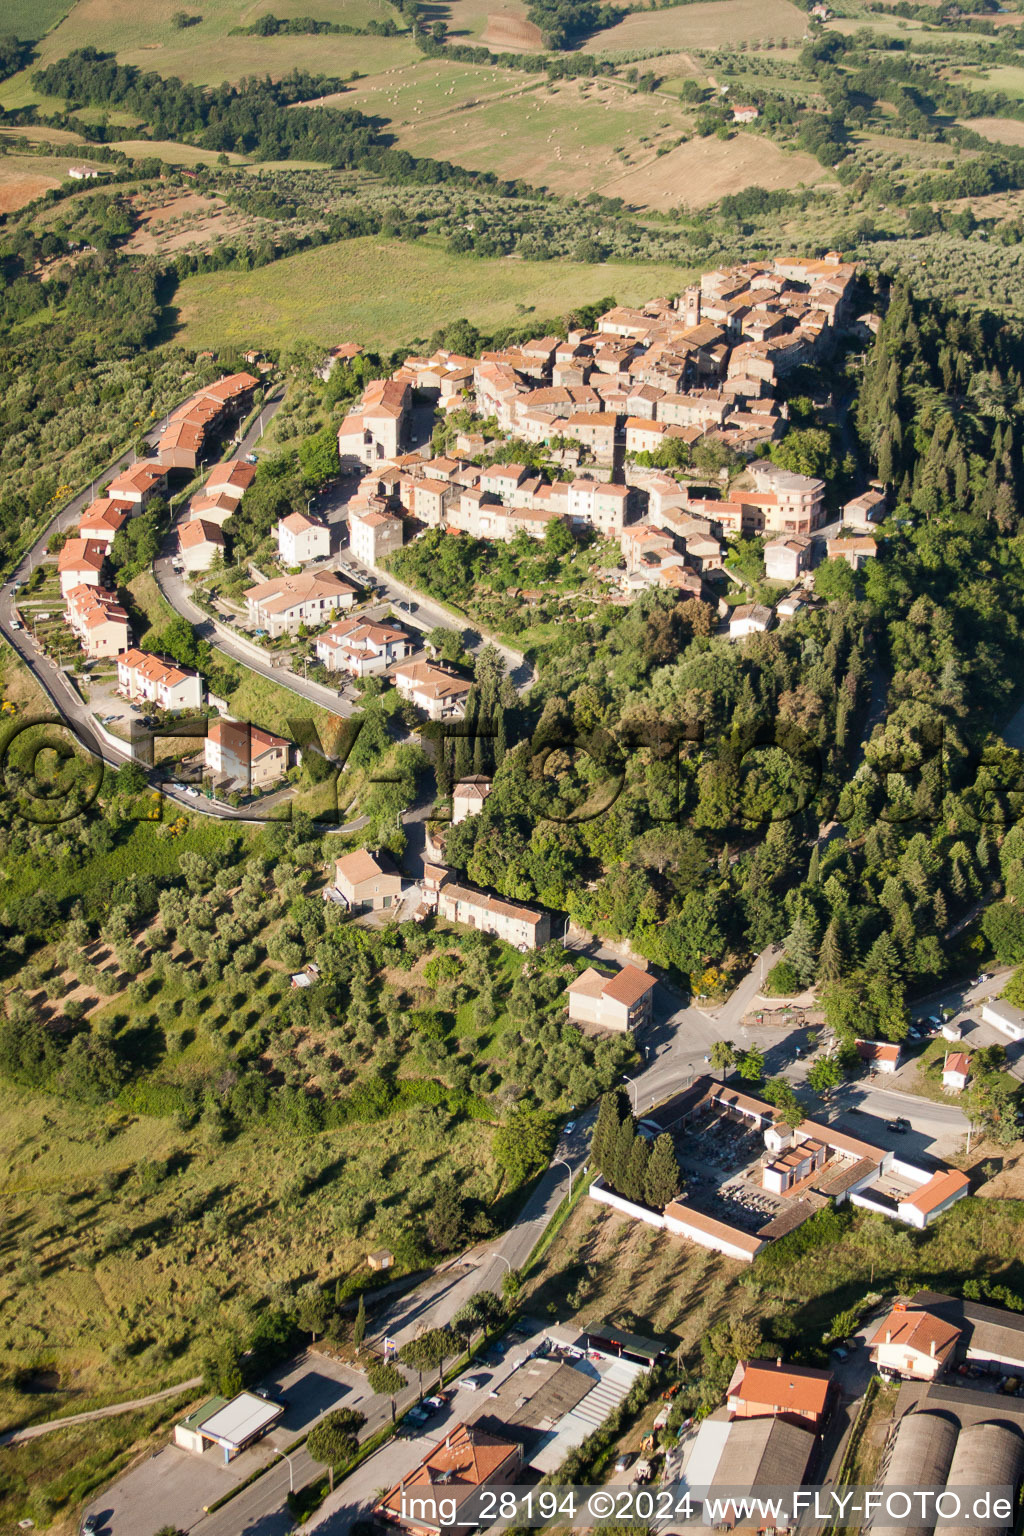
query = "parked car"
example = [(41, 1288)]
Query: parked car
[(435, 1403), (841, 1352), (625, 1461), (192, 793), (473, 1383), (251, 458), (90, 1525), (568, 1129), (15, 623), (899, 1125)]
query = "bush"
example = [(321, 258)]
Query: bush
[(782, 980)]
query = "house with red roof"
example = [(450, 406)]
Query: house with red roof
[(139, 484), (762, 1389), (80, 564), (98, 620), (160, 682), (301, 539), (620, 1002), (956, 1070), (367, 882), (914, 1343), (242, 757), (103, 519), (882, 1055), (427, 1500), (199, 544)]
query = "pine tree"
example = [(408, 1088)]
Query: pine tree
[(814, 866), (801, 950), (663, 1181), (830, 958)]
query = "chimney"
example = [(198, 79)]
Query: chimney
[(778, 1362), (888, 1335), (931, 1349)]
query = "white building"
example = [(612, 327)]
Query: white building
[(142, 676), (281, 606), (468, 797), (301, 539), (362, 649), (439, 693), (199, 544), (373, 534), (956, 1070), (1004, 1017)]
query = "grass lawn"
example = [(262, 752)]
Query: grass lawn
[(270, 705), (149, 601), (387, 292)]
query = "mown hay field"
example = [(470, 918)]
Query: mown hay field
[(707, 24), (572, 138), (384, 293), (703, 170)]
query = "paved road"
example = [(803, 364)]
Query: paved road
[(47, 674), (33, 1431)]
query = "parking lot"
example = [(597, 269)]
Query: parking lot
[(176, 1486)]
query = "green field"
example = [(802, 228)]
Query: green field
[(29, 19), (385, 292), (145, 35)]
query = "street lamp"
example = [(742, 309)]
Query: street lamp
[(632, 1083), (291, 1479), (565, 1164)]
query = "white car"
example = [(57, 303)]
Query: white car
[(567, 1130), (15, 623), (472, 1383), (193, 794)]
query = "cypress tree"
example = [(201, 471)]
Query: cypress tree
[(636, 1169), (662, 1181), (619, 1155), (359, 1326), (606, 1128)]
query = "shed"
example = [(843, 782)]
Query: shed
[(381, 1258), (998, 1449), (186, 1433)]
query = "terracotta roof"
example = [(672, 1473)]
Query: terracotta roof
[(939, 1188), (104, 514), (82, 555), (194, 534), (588, 983), (957, 1061), (298, 522), (234, 473), (362, 865), (781, 1388), (629, 986), (712, 1228), (142, 477), (466, 1459), (495, 904), (290, 591), (917, 1330)]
